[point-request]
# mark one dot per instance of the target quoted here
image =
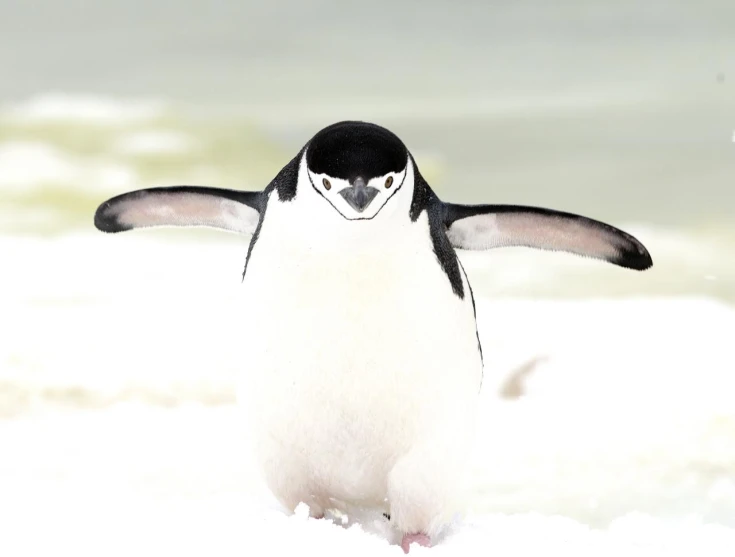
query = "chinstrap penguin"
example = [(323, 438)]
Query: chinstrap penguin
[(361, 362)]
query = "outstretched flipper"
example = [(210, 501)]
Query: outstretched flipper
[(481, 227), (232, 210)]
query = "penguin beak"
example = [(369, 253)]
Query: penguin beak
[(359, 196)]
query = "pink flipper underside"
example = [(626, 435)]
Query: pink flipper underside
[(421, 539)]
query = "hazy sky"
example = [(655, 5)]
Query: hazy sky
[(233, 50)]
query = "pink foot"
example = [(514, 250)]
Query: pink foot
[(421, 539)]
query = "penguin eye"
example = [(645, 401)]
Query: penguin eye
[(327, 185), (389, 182)]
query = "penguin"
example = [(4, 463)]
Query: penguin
[(360, 357)]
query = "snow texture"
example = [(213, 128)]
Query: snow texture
[(608, 426)]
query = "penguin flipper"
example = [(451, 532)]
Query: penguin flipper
[(232, 210), (481, 227)]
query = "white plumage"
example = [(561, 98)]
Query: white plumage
[(360, 365)]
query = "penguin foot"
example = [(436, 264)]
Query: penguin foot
[(421, 539), (316, 512)]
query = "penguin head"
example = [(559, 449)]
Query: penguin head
[(357, 167)]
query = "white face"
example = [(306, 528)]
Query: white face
[(360, 200)]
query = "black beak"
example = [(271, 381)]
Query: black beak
[(358, 196)]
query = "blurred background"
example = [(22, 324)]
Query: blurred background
[(614, 388)]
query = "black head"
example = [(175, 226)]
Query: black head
[(357, 167), (349, 150)]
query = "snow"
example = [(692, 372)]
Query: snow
[(89, 109), (154, 142), (607, 428), (28, 165), (24, 163), (135, 480)]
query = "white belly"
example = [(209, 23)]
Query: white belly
[(350, 360)]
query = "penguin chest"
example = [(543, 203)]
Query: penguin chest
[(358, 351)]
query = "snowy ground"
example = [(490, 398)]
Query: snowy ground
[(608, 426)]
